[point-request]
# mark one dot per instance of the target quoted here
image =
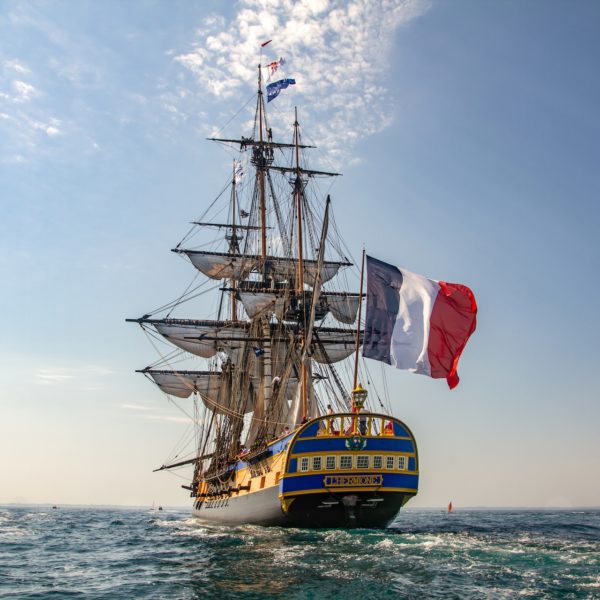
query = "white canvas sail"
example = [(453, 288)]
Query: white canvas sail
[(184, 383), (262, 303), (343, 306), (206, 338), (331, 346), (209, 385), (224, 265)]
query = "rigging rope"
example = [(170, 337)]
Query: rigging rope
[(218, 131)]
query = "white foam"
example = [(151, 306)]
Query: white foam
[(385, 543)]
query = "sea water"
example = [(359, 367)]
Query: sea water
[(114, 553)]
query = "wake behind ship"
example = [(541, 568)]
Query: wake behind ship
[(283, 433)]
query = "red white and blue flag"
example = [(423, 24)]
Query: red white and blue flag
[(416, 323), (273, 66)]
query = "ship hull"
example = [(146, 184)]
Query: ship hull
[(320, 477), (260, 508), (358, 511), (307, 511)]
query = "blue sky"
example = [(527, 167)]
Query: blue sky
[(468, 135)]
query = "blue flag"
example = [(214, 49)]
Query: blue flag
[(274, 88)]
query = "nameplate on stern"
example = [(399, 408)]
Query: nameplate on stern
[(352, 480)]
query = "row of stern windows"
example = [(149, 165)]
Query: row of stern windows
[(361, 461)]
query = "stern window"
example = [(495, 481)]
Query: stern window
[(330, 462), (345, 462), (402, 463), (316, 463), (362, 462), (377, 462), (389, 462), (304, 463)]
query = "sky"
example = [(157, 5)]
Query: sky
[(468, 135)]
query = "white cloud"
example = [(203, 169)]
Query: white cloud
[(84, 377), (338, 52), (168, 418), (24, 92), (15, 65), (50, 376), (25, 119), (51, 128)]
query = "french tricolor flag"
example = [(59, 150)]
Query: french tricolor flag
[(417, 323)]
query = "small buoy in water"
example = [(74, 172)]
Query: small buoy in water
[(55, 507), (450, 507), (160, 508)]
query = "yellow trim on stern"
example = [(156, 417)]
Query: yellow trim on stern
[(351, 472), (340, 490), (353, 453)]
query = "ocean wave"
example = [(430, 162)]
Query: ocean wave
[(113, 553)]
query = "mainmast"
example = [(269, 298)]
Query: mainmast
[(300, 279), (298, 194), (265, 365), (261, 172), (234, 245)]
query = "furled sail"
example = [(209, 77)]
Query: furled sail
[(206, 338), (342, 305), (332, 345), (225, 265), (209, 384), (221, 265), (184, 383), (266, 303)]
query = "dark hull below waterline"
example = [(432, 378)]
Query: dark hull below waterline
[(307, 510)]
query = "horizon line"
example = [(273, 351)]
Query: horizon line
[(407, 509)]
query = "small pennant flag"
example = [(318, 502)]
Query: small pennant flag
[(274, 88), (265, 43)]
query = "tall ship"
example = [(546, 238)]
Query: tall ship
[(284, 433)]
